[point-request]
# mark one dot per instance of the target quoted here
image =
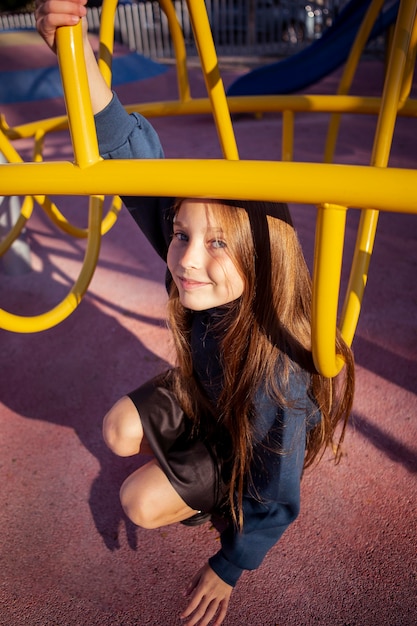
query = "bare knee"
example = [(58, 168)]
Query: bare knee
[(122, 429), (136, 506), (149, 499)]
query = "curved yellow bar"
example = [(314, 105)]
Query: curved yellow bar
[(36, 323), (214, 83), (47, 205), (22, 131), (61, 221), (81, 122)]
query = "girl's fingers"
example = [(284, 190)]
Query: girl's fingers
[(203, 615), (51, 14), (221, 614), (209, 599)]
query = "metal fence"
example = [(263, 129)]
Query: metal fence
[(239, 27), (17, 21)]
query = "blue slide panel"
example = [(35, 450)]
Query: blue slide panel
[(316, 61)]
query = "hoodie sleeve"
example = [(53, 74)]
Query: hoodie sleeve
[(124, 136), (272, 499)]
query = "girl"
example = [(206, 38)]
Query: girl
[(232, 426)]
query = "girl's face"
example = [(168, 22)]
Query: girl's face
[(198, 259)]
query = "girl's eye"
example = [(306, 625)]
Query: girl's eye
[(218, 243), (180, 236)]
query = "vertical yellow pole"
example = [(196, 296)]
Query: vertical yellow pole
[(349, 73), (106, 37), (328, 256), (77, 95), (214, 83), (287, 153), (179, 48), (393, 90)]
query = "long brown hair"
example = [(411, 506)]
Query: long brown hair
[(270, 324)]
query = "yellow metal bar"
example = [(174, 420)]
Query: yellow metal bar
[(247, 104), (36, 323), (409, 67), (328, 255), (22, 131), (38, 146), (211, 72), (81, 123), (349, 73), (394, 83), (273, 104), (393, 90), (179, 49), (387, 189), (47, 205), (287, 153), (77, 96), (106, 39), (359, 274), (63, 224), (26, 209), (330, 229)]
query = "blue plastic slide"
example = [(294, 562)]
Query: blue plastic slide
[(317, 60)]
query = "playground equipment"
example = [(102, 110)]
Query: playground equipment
[(333, 188)]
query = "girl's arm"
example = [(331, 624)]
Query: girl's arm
[(272, 501), (120, 136), (123, 136), (50, 15)]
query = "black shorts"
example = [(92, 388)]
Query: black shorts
[(187, 461)]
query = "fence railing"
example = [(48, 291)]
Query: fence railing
[(17, 21), (240, 27)]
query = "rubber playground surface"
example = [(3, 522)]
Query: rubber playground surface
[(68, 556)]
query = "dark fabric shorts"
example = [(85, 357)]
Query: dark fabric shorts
[(187, 461)]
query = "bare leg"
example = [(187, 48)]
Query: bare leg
[(147, 496), (122, 429), (149, 499)]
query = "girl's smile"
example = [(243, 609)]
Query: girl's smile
[(199, 261), (188, 284)]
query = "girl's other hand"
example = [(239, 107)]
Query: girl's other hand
[(50, 14), (209, 599)]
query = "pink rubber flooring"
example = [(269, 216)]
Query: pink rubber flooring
[(68, 556)]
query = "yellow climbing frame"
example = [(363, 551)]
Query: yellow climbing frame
[(333, 188)]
